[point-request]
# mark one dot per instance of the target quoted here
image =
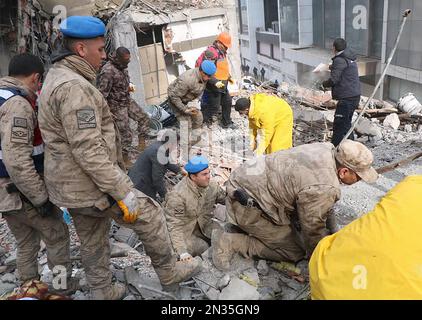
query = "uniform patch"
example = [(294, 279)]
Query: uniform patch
[(86, 119), (19, 135), (20, 122)]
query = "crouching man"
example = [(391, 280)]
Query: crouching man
[(283, 202), (189, 207)]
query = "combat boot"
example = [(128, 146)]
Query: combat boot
[(141, 143), (225, 245), (182, 271), (115, 291)]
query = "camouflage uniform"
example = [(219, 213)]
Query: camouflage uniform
[(113, 83), (186, 88), (189, 210), (84, 171), (18, 123), (294, 191)]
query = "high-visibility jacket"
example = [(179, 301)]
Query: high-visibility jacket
[(272, 118), (379, 255), (220, 59)]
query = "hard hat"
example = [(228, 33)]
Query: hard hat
[(82, 27), (208, 67), (225, 39), (196, 165)]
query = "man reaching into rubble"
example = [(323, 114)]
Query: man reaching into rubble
[(186, 88), (270, 115), (345, 85), (24, 201), (113, 82), (189, 208), (149, 170), (283, 202), (216, 93), (84, 169)]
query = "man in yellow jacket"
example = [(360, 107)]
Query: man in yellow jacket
[(270, 115)]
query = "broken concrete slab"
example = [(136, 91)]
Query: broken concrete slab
[(366, 127), (239, 290), (223, 282), (8, 278), (262, 267), (6, 287), (120, 247), (126, 235), (392, 121), (252, 277), (11, 260), (220, 212), (130, 297)]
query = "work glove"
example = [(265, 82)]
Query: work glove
[(47, 209), (191, 111), (241, 196), (130, 208), (185, 257), (220, 85)]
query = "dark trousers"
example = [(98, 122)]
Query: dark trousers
[(343, 119), (210, 104)]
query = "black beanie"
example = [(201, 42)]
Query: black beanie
[(242, 104)]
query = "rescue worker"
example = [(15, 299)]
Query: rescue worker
[(377, 256), (216, 93), (149, 170), (84, 169), (186, 88), (189, 209), (283, 201), (345, 85), (113, 82), (24, 201), (272, 117)]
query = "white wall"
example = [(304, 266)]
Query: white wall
[(198, 28)]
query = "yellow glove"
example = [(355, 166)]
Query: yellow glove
[(220, 84), (130, 208)]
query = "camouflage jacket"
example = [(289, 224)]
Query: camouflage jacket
[(83, 159), (113, 83), (186, 88), (299, 184), (17, 123), (188, 205)]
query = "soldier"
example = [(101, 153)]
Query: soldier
[(84, 169), (189, 208), (270, 115), (188, 87), (284, 201), (24, 201), (113, 82)]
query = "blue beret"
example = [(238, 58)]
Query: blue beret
[(196, 164), (82, 27)]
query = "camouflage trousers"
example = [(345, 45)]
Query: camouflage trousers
[(121, 114), (197, 243), (93, 226), (29, 228), (190, 132), (265, 239)]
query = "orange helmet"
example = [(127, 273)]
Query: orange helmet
[(225, 39)]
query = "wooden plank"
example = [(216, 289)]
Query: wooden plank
[(400, 163)]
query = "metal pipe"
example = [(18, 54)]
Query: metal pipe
[(390, 58)]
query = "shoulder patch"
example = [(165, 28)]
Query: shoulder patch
[(19, 135), (86, 118), (20, 122)]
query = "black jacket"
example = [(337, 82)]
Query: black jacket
[(344, 78), (147, 174)]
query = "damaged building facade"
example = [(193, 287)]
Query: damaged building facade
[(289, 38), (164, 37)]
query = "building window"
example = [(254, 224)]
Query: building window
[(326, 22), (243, 16), (409, 51), (399, 87), (271, 15), (289, 21)]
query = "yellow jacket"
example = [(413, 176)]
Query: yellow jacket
[(378, 256), (272, 117)]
